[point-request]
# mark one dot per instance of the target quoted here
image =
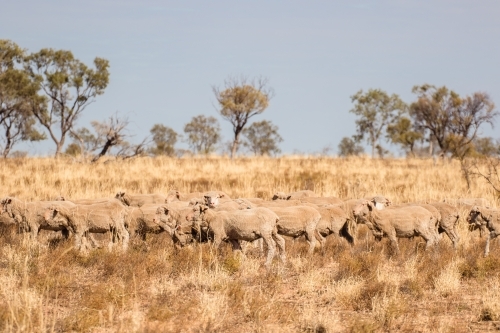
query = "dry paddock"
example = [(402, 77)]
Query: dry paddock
[(49, 287)]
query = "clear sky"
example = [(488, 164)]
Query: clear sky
[(165, 56)]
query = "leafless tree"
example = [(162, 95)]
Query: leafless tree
[(108, 134), (488, 169)]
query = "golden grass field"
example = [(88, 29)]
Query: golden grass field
[(49, 287)]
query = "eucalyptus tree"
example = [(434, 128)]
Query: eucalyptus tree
[(203, 134), (239, 100), (18, 91), (69, 87), (262, 138), (375, 110)]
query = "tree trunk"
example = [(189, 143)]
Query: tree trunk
[(235, 145), (234, 148), (8, 147), (8, 143), (58, 149), (109, 143), (465, 172)]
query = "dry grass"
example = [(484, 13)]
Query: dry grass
[(49, 287)]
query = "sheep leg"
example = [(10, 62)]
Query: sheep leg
[(394, 241), (492, 235), (260, 244), (125, 238), (452, 236), (34, 232), (93, 242), (280, 242), (235, 244), (271, 250), (311, 239), (429, 239), (321, 239), (65, 233), (78, 241), (217, 241)]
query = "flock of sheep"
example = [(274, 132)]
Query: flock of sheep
[(213, 216)]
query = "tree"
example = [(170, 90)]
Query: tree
[(19, 126), (70, 87), (84, 142), (262, 138), (73, 149), (375, 110), (402, 132), (164, 139), (452, 120), (489, 170), (240, 100), (203, 133), (485, 147), (109, 134), (349, 147), (17, 92)]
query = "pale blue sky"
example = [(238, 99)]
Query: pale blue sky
[(166, 55)]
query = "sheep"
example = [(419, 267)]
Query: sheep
[(140, 199), (334, 220), (29, 215), (297, 221), (485, 218), (247, 225), (398, 222), (293, 195), (97, 218)]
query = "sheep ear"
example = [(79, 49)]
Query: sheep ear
[(288, 197), (221, 195)]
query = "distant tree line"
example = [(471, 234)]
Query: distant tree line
[(439, 122), (43, 94)]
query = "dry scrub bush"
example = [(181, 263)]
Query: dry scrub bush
[(345, 292), (314, 318), (448, 280), (388, 307), (489, 309)]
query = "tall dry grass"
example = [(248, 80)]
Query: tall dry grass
[(49, 287)]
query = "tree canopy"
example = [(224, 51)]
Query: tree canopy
[(241, 99), (262, 138), (375, 110), (203, 133), (17, 93), (69, 86)]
